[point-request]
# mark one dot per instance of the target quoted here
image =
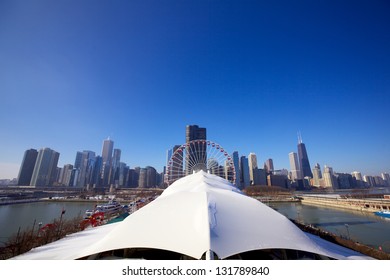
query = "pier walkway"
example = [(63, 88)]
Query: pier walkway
[(364, 204)]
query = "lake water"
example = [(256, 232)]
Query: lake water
[(363, 227), (23, 215)]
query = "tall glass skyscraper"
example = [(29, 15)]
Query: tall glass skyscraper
[(303, 159), (108, 146), (244, 168)]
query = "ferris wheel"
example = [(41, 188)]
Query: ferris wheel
[(199, 155)]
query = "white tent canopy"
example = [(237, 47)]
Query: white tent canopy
[(197, 214)]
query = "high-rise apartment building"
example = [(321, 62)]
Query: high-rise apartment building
[(344, 180), (45, 168), (142, 178), (370, 181), (386, 178), (294, 167), (197, 152), (67, 175), (27, 167), (317, 175), (329, 178), (151, 177), (358, 178), (303, 159)]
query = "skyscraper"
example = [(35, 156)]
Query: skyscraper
[(142, 178), (317, 175), (294, 165), (27, 167), (252, 162), (114, 168), (86, 168), (236, 162), (108, 146), (303, 159), (151, 177), (196, 152), (386, 178), (269, 165), (244, 168), (329, 178), (358, 178), (45, 168), (67, 174)]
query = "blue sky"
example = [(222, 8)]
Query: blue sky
[(254, 73)]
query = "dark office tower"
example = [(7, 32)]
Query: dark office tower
[(45, 169), (303, 159), (132, 178), (151, 177), (244, 168), (197, 152), (27, 167)]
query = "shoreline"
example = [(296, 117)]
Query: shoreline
[(362, 205)]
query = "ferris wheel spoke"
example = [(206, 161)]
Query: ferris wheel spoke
[(200, 155)]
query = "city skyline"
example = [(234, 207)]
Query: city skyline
[(99, 171), (253, 73)]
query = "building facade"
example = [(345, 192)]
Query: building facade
[(244, 168), (294, 167), (27, 167), (304, 160), (45, 169), (253, 174), (236, 163)]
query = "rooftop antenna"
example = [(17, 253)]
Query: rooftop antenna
[(299, 138)]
